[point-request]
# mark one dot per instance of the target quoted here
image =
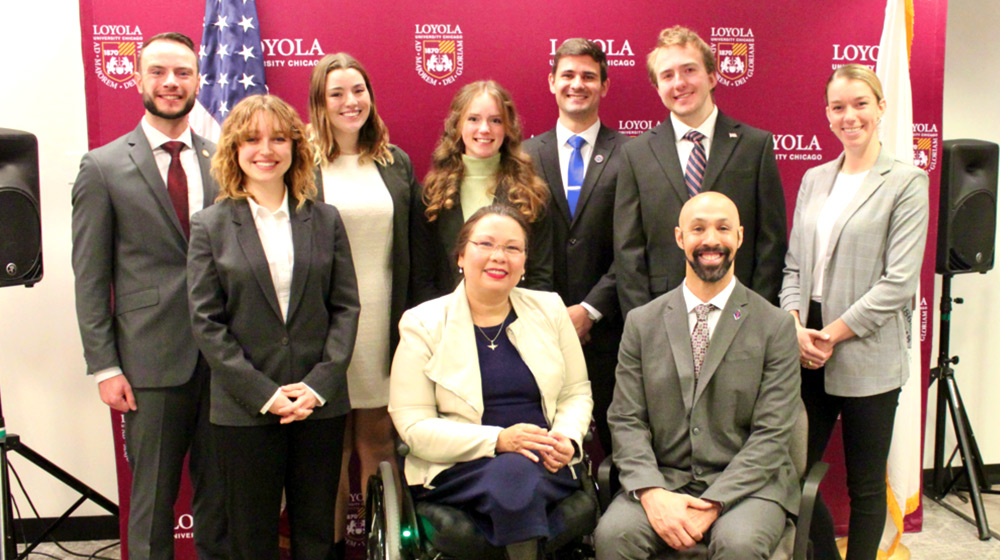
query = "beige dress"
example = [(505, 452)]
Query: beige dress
[(358, 192)]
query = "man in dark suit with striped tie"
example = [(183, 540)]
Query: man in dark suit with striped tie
[(579, 160), (696, 149)]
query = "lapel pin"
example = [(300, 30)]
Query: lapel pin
[(599, 158), (733, 135), (737, 315), (204, 152)]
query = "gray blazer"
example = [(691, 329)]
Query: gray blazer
[(875, 253), (129, 257), (732, 432), (237, 319), (650, 195)]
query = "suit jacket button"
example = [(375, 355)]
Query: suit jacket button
[(572, 241), (696, 431), (284, 341)]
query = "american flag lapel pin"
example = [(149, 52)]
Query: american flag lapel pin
[(737, 315)]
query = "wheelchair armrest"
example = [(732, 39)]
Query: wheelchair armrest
[(810, 491), (607, 483)]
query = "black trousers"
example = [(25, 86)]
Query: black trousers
[(301, 458), (866, 424)]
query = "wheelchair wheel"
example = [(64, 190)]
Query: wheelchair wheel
[(382, 516)]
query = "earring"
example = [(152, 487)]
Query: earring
[(461, 270), (523, 276)]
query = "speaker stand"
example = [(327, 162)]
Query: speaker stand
[(12, 443), (949, 396)]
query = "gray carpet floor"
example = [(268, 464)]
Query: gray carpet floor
[(945, 536)]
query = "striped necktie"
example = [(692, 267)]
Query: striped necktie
[(694, 174)]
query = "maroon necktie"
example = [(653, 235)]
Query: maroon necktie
[(177, 184)]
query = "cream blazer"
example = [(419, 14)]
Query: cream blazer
[(435, 388)]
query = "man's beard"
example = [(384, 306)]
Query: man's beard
[(714, 273), (149, 102)]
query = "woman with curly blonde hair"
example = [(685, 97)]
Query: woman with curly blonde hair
[(477, 162), (274, 310)]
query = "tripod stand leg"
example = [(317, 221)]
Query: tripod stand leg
[(9, 549), (962, 432)]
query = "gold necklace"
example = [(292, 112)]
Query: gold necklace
[(492, 341)]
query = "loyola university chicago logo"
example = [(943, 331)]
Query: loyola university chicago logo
[(116, 54), (734, 50), (925, 146), (439, 53)]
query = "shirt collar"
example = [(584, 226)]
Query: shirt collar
[(157, 138), (707, 128), (259, 211), (720, 300), (590, 135)]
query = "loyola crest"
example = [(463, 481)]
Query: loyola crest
[(118, 60), (439, 58)]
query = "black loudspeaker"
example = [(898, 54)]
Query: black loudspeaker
[(967, 215), (20, 216)]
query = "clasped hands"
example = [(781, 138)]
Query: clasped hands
[(552, 448), (815, 347), (295, 402), (680, 520)]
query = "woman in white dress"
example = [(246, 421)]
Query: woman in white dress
[(372, 185)]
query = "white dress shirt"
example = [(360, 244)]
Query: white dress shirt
[(275, 232), (684, 147), (719, 301)]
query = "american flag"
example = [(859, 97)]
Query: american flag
[(231, 60)]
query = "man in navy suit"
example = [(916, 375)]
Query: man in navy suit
[(696, 149), (579, 161), (131, 204)]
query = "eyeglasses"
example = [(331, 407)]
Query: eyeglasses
[(490, 247)]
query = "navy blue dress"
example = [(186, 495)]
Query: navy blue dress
[(510, 497)]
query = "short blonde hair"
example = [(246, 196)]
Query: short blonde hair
[(678, 36), (858, 72), (240, 125)]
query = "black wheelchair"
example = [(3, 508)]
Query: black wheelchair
[(401, 529)]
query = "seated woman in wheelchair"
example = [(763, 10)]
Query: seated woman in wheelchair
[(489, 389)]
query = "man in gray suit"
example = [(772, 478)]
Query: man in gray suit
[(131, 204), (695, 149), (706, 396), (582, 182)]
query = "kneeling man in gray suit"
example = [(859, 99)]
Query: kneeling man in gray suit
[(706, 396)]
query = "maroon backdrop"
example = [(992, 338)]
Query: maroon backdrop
[(787, 50)]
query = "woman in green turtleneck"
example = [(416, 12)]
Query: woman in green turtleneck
[(477, 161)]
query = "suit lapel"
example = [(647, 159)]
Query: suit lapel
[(675, 321), (723, 144), (302, 245), (246, 234), (664, 147), (601, 154), (730, 322), (874, 180), (142, 156), (549, 156), (208, 186)]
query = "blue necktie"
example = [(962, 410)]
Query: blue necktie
[(695, 172), (575, 176)]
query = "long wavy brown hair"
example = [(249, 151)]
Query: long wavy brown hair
[(373, 138), (240, 125), (516, 177)]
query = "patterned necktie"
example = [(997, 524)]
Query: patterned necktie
[(694, 174), (575, 176), (177, 184), (699, 337)]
